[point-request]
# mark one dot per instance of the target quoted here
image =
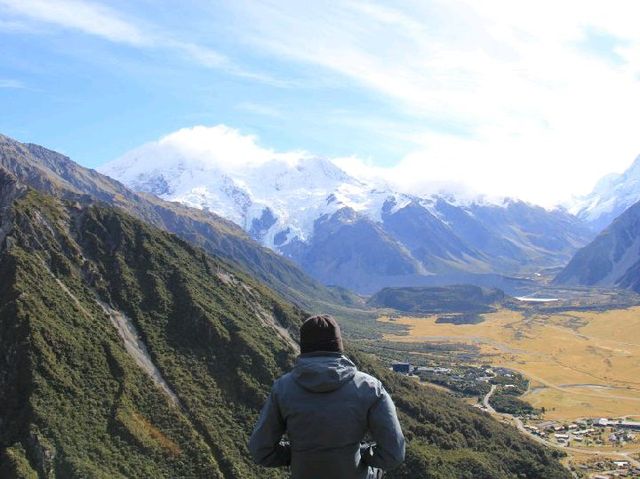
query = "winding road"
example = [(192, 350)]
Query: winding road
[(485, 400), (627, 456)]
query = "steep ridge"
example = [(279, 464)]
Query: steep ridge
[(292, 205), (542, 236), (612, 259), (93, 406), (610, 197), (430, 242), (74, 403), (53, 173), (350, 250)]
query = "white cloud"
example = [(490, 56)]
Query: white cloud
[(220, 148), (87, 17), (545, 119), (15, 26), (99, 20), (217, 146), (10, 83), (529, 110), (201, 148)]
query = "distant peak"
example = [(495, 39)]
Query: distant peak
[(323, 166), (634, 169)]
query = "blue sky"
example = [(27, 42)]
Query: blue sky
[(96, 95), (533, 100)]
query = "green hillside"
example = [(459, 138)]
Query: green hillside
[(72, 395), (78, 402)]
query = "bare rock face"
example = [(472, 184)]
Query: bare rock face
[(43, 454), (9, 188), (9, 191)]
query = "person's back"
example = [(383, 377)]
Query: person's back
[(326, 407)]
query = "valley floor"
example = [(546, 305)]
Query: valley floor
[(580, 364)]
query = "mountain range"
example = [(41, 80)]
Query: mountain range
[(128, 351), (413, 242), (353, 233)]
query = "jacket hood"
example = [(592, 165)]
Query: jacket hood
[(323, 372)]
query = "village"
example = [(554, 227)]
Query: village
[(587, 432), (498, 387), (603, 434), (496, 390), (466, 379)]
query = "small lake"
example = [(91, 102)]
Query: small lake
[(536, 300)]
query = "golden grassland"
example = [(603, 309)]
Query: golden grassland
[(581, 364)]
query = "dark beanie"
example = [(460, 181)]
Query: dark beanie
[(320, 333)]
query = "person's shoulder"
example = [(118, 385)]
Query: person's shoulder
[(282, 381), (369, 382)]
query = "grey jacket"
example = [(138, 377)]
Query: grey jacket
[(326, 406)]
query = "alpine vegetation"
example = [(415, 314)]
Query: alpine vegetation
[(131, 353)]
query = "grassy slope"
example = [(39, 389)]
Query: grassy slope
[(74, 404), (83, 401)]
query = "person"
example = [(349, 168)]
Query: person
[(326, 407)]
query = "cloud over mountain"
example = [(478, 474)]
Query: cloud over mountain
[(360, 226)]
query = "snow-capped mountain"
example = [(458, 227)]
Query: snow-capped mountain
[(276, 202), (612, 195), (344, 230)]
